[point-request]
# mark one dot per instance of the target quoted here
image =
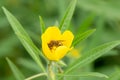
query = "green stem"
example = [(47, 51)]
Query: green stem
[(35, 76), (51, 71)]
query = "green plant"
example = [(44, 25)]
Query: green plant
[(35, 52)]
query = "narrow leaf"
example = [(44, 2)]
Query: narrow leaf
[(24, 38), (80, 37), (28, 64), (61, 63), (18, 75), (95, 74), (91, 56), (68, 15), (31, 49), (115, 75), (42, 24), (86, 23)]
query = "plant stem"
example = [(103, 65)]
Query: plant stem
[(35, 76), (51, 71)]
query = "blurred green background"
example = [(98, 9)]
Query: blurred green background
[(104, 15)]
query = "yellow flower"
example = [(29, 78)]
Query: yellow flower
[(54, 44)]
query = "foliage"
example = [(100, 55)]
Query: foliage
[(97, 21)]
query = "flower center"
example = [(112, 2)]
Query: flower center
[(54, 44)]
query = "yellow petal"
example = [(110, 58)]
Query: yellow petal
[(52, 33), (68, 37), (48, 53), (60, 52), (45, 47)]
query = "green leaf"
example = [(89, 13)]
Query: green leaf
[(28, 64), (24, 38), (33, 53), (18, 75), (34, 36), (61, 63), (68, 15), (95, 74), (86, 23), (91, 56), (42, 24), (115, 75), (80, 37)]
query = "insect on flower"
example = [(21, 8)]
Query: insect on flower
[(54, 44)]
